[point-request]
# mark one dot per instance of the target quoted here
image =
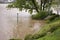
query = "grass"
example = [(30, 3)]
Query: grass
[(52, 36), (53, 28), (49, 31), (15, 39), (47, 27)]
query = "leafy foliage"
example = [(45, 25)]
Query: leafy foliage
[(25, 4), (31, 5), (41, 15)]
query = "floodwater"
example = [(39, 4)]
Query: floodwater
[(13, 27)]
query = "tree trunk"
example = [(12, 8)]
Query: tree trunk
[(35, 5)]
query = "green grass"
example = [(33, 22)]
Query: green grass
[(49, 31), (15, 39), (52, 36), (47, 27), (55, 35)]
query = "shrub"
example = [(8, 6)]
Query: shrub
[(52, 18), (40, 15)]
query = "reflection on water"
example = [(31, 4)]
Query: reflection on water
[(8, 23)]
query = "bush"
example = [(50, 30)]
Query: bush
[(52, 18), (40, 15)]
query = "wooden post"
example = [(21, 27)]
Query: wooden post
[(17, 17)]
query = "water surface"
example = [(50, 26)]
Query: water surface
[(10, 28)]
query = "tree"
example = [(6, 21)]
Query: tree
[(57, 3), (31, 5)]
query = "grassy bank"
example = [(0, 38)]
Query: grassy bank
[(50, 31)]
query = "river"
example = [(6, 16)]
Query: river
[(11, 28)]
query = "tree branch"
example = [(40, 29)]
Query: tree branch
[(36, 8)]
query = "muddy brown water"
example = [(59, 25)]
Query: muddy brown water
[(9, 27)]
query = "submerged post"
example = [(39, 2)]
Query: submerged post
[(17, 17)]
